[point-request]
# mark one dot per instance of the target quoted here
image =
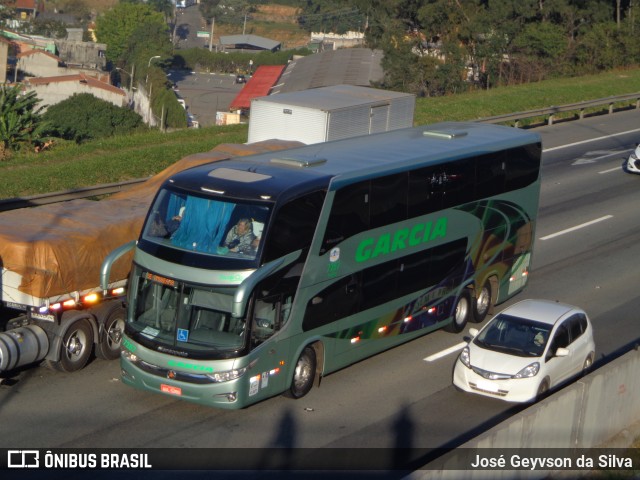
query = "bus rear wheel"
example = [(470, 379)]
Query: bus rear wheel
[(304, 373), (461, 313)]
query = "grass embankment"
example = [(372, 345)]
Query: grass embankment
[(68, 166)]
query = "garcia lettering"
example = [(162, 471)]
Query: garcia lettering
[(387, 243)]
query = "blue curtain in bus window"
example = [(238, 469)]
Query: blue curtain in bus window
[(203, 224), (176, 202)]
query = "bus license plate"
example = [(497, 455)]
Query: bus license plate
[(170, 389)]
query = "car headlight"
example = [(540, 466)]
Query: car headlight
[(528, 371), (227, 376), (633, 157), (465, 357)]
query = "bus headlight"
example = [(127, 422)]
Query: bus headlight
[(132, 357), (227, 376)]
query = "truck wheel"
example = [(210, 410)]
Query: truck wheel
[(482, 303), (461, 313), (112, 318), (75, 348), (304, 373)]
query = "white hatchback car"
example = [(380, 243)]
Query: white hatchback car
[(633, 163), (525, 350)]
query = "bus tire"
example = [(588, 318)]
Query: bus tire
[(75, 348), (111, 317), (482, 303), (461, 313), (304, 373)]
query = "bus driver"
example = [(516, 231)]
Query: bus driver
[(240, 237)]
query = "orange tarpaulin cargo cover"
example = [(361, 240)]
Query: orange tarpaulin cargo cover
[(57, 249)]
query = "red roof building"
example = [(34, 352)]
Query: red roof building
[(259, 85)]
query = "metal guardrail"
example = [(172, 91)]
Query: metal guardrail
[(513, 118), (550, 112), (76, 193)]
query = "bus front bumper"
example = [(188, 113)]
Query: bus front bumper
[(220, 395)]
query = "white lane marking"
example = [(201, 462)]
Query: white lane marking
[(590, 140), (445, 352), (617, 169), (577, 227), (587, 159)]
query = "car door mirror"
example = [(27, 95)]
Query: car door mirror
[(473, 332), (562, 352)]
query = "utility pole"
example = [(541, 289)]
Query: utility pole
[(133, 68), (244, 25), (213, 22)]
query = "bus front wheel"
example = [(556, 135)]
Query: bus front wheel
[(461, 313), (304, 373)]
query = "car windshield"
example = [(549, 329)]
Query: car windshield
[(514, 336), (206, 225)]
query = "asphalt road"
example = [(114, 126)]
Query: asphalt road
[(188, 23), (205, 93), (587, 246)]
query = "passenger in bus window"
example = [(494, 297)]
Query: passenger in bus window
[(174, 222)]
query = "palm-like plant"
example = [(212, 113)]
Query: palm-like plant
[(20, 120)]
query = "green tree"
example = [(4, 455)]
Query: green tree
[(116, 26), (78, 8), (49, 28), (331, 16), (85, 117), (231, 12), (539, 48), (604, 47), (20, 120), (165, 7)]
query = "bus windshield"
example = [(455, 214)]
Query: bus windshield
[(181, 317), (206, 225)]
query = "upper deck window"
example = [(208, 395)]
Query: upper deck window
[(206, 225)]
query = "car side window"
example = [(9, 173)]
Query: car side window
[(560, 340), (577, 325)]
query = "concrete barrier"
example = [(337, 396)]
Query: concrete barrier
[(583, 415)]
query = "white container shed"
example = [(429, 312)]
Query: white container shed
[(329, 113)]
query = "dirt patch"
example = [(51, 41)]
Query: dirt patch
[(95, 6), (276, 13)]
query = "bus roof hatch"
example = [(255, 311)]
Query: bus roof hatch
[(301, 162), (446, 134)]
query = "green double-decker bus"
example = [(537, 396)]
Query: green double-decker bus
[(259, 275)]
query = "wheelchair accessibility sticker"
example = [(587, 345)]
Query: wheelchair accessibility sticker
[(183, 335)]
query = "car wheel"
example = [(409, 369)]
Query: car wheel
[(304, 373), (461, 313), (543, 390), (482, 303), (588, 363)]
